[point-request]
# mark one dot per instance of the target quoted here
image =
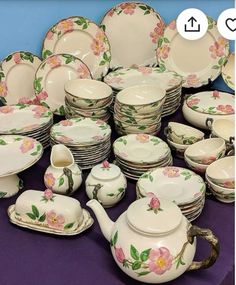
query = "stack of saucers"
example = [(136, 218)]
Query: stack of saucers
[(181, 185), (87, 138), (167, 80), (220, 177), (138, 109), (88, 98), (138, 153), (27, 120)]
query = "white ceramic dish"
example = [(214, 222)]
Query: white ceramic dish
[(17, 68), (196, 61), (178, 148), (51, 77), (82, 38), (221, 128), (141, 28), (196, 167), (228, 71)]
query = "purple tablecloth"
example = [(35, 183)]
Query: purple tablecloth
[(32, 258)]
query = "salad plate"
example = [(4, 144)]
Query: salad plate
[(228, 71), (16, 68), (82, 38), (198, 61), (133, 29), (51, 76)]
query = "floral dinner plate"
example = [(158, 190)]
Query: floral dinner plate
[(82, 38), (196, 61), (228, 71)]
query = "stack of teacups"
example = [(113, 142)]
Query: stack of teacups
[(220, 177), (200, 155), (180, 137), (88, 98), (138, 109)]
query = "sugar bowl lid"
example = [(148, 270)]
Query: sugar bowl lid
[(151, 215), (105, 171)]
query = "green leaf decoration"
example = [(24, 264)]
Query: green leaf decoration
[(85, 26), (115, 238), (103, 27), (145, 254), (68, 226), (215, 67), (147, 12), (9, 57), (150, 178), (31, 216), (37, 84), (46, 53), (1, 76), (2, 142), (111, 195), (134, 252), (160, 41), (194, 107), (2, 194), (39, 147), (35, 211), (42, 218), (136, 265), (102, 63), (143, 273), (142, 128), (120, 190), (34, 153), (143, 7), (61, 181), (62, 110)]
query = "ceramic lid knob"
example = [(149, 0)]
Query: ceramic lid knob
[(105, 171), (152, 215)]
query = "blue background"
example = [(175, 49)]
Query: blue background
[(24, 23)]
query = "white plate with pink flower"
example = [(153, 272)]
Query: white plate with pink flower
[(82, 38), (133, 30), (17, 73), (198, 61), (23, 118), (178, 184), (51, 77)]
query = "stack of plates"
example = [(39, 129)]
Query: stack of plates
[(88, 140), (181, 185), (167, 80), (138, 153), (27, 120)]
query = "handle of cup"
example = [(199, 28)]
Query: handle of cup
[(209, 237), (166, 131), (209, 122)]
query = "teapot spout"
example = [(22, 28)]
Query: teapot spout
[(105, 223)]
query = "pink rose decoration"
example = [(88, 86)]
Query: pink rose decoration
[(49, 35), (116, 79), (100, 35), (193, 102), (145, 70), (154, 204), (97, 47), (17, 57), (66, 123), (192, 80), (64, 139), (3, 89), (66, 25), (217, 49), (163, 52), (228, 109), (158, 31), (99, 122), (111, 12), (39, 111), (55, 221), (97, 138), (120, 256), (105, 164), (83, 71), (48, 194), (54, 61), (143, 138), (42, 95), (209, 160), (216, 94), (160, 260), (171, 171), (27, 144), (128, 8), (229, 184), (172, 25), (49, 180), (25, 100), (6, 109)]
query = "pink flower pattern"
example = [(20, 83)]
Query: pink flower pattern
[(145, 70), (55, 221), (193, 102), (66, 123), (113, 80), (83, 71), (49, 180), (48, 194), (17, 57), (3, 89), (64, 139), (54, 61), (163, 52), (6, 109), (171, 171), (158, 31), (142, 138), (216, 94), (172, 25), (49, 35), (27, 144), (105, 164), (119, 253), (39, 111), (128, 8), (228, 109), (97, 47), (217, 49), (160, 260), (66, 25), (192, 80)]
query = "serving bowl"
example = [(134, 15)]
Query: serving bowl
[(206, 151), (88, 93), (222, 172), (221, 128)]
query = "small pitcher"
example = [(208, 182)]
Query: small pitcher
[(63, 176)]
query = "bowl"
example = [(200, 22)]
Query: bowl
[(206, 151), (88, 93), (141, 99), (221, 128), (222, 172), (197, 167), (179, 149), (183, 134)]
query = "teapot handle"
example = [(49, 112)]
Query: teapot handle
[(215, 247)]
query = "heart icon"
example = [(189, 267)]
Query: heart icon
[(231, 24)]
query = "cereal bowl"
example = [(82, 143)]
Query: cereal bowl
[(222, 172), (221, 128), (88, 93), (206, 151)]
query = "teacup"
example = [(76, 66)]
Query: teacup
[(221, 128), (179, 149), (197, 167)]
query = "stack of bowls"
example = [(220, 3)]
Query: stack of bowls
[(220, 177), (200, 155), (138, 153), (138, 109), (88, 98), (180, 137), (27, 120), (87, 138)]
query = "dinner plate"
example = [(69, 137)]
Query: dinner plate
[(133, 30), (196, 61), (51, 76), (17, 72), (87, 222), (228, 70), (82, 38)]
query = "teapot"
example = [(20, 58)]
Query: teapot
[(63, 176), (153, 242)]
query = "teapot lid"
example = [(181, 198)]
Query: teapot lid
[(105, 171), (151, 215)]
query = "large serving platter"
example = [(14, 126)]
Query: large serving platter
[(228, 71), (198, 61), (82, 38), (133, 29), (17, 72), (51, 76)]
